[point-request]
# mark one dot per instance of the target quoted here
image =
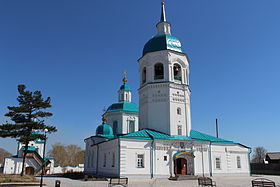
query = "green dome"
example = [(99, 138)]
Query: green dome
[(125, 87), (123, 106), (163, 42), (104, 130)]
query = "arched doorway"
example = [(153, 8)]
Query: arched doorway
[(29, 170), (181, 166), (183, 163)]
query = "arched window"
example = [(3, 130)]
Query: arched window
[(179, 128), (179, 111), (115, 127), (159, 73), (131, 126), (177, 72), (144, 75)]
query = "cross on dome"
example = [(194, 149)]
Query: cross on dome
[(163, 17), (124, 78)]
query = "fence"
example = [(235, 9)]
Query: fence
[(268, 169)]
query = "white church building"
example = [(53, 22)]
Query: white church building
[(34, 160), (157, 140)]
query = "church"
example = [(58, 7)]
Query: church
[(156, 139)]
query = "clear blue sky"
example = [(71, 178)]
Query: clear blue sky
[(75, 52)]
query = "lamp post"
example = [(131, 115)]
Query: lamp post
[(43, 164)]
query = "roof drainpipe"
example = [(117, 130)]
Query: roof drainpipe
[(152, 156), (119, 155), (250, 150), (97, 159), (210, 159)]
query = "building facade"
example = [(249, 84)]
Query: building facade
[(160, 142), (34, 160)]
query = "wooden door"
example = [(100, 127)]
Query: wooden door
[(181, 166), (29, 170)]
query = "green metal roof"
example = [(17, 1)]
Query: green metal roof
[(30, 148), (125, 87), (39, 141), (194, 136), (123, 106), (48, 158), (163, 42), (205, 137), (104, 130)]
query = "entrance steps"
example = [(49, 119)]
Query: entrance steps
[(184, 177)]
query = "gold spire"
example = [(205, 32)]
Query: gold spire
[(124, 78)]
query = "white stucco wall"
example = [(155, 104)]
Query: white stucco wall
[(228, 154), (95, 163), (14, 165), (154, 164), (60, 169)]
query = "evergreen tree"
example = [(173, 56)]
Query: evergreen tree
[(27, 117)]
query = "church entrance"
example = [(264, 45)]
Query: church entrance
[(183, 163), (29, 170), (181, 166)]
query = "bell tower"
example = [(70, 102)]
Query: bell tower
[(164, 94)]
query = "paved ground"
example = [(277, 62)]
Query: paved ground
[(221, 182)]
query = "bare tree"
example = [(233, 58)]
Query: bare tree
[(72, 152), (3, 154), (59, 153), (259, 155), (65, 155)]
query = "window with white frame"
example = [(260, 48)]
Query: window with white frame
[(218, 162), (115, 127), (140, 160), (179, 129), (131, 126), (113, 160), (238, 162), (105, 160)]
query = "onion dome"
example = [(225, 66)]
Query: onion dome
[(125, 87), (163, 42), (104, 129)]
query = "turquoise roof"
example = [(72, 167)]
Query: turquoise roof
[(194, 136), (163, 42), (48, 158), (123, 106), (39, 140), (205, 137), (125, 87), (104, 130), (30, 148)]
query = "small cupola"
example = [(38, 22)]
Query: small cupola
[(125, 91)]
